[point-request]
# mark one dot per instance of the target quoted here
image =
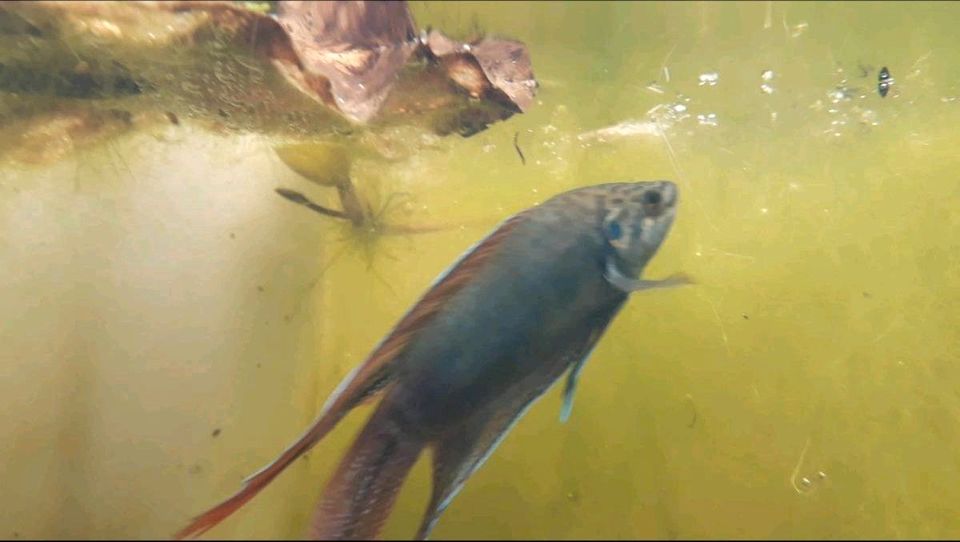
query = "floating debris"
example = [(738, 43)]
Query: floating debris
[(766, 88), (655, 88), (709, 79), (623, 129), (884, 82), (767, 75)]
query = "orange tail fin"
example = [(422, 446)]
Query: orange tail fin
[(363, 384), (361, 493), (256, 482)]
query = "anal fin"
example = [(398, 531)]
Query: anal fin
[(579, 354), (571, 387), (462, 451)]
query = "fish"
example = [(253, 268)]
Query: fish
[(492, 334)]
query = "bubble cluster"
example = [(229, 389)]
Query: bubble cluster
[(710, 119), (709, 79), (845, 107), (767, 77)]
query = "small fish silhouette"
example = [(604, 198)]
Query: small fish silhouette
[(491, 335)]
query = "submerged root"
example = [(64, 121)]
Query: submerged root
[(362, 230), (300, 199)]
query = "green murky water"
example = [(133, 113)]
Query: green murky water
[(157, 290)]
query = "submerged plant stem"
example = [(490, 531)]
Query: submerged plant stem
[(299, 198)]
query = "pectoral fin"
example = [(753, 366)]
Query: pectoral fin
[(626, 284)]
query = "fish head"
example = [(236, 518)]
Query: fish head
[(636, 219)]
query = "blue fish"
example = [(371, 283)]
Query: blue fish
[(521, 308)]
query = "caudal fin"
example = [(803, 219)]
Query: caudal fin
[(255, 483), (359, 497), (356, 388)]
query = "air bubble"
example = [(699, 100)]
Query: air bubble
[(799, 29)]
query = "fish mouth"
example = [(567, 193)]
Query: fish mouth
[(660, 199), (670, 194)]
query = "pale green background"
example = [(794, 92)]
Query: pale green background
[(822, 335)]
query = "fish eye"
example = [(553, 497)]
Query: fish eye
[(614, 231), (652, 197)]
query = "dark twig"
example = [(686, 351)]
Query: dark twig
[(516, 145)]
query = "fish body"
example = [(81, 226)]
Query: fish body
[(514, 324), (519, 309)]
